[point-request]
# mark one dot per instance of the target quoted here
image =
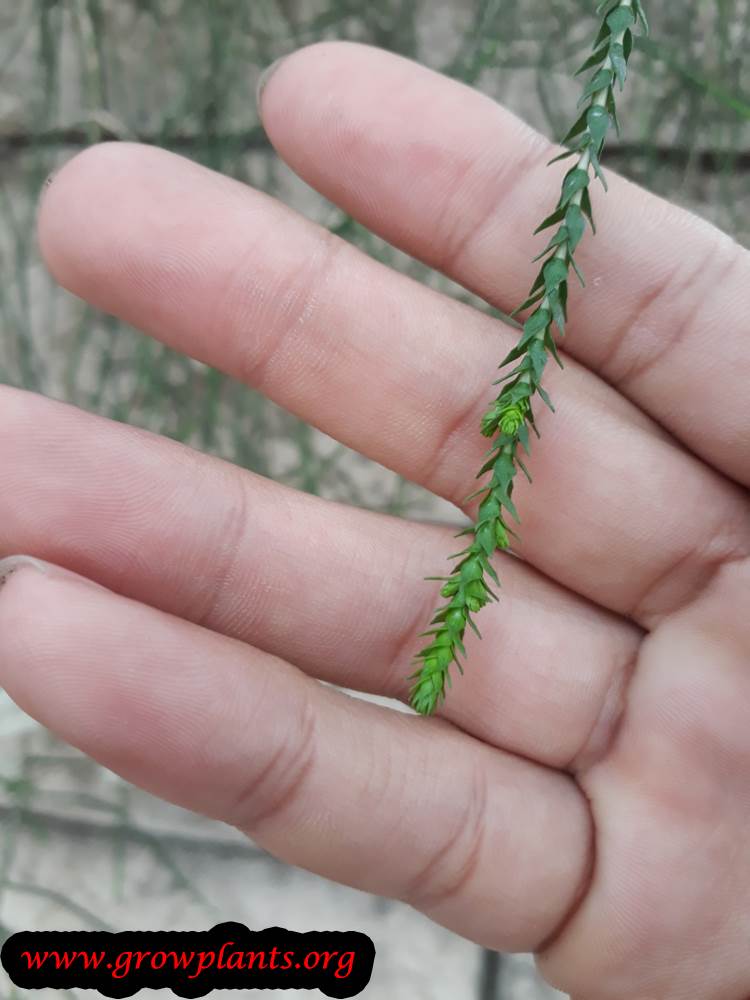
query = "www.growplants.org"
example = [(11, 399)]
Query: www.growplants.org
[(511, 417)]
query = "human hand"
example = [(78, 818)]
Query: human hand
[(586, 793)]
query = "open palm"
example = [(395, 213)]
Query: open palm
[(586, 793)]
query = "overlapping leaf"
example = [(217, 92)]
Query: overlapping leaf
[(511, 416)]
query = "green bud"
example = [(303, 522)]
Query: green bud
[(501, 535), (427, 692), (476, 595), (450, 589), (476, 588), (513, 417)]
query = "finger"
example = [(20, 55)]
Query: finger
[(337, 590), (387, 366), (454, 179), (486, 843)]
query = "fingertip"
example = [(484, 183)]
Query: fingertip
[(313, 84), (263, 81), (105, 211), (73, 200)]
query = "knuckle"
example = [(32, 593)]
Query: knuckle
[(680, 294), (458, 236), (271, 789), (449, 870), (226, 555), (294, 312)]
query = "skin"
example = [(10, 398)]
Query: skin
[(585, 793)]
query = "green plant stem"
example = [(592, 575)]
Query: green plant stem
[(510, 418)]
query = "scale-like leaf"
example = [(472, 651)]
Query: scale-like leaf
[(575, 226), (577, 270), (510, 507), (586, 208), (557, 216), (603, 35), (538, 356), (604, 9), (504, 470), (527, 303), (474, 628), (523, 432), (593, 60), (562, 156), (642, 15), (598, 168), (576, 129), (627, 44), (597, 120), (620, 19), (564, 298), (599, 82), (561, 236), (545, 397), (555, 272), (549, 340), (619, 63), (489, 464), (558, 312), (575, 180), (534, 325), (509, 420), (524, 470), (612, 109), (486, 538)]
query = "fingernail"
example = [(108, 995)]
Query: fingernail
[(43, 193), (11, 565), (264, 77)]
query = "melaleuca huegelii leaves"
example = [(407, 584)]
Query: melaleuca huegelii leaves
[(509, 421)]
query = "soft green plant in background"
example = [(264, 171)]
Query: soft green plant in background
[(510, 420), (180, 73)]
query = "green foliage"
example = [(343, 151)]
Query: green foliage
[(511, 415)]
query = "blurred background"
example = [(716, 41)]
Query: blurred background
[(78, 847)]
